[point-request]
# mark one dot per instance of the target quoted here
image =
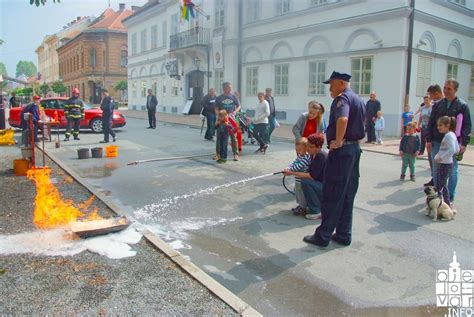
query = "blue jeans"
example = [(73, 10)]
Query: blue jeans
[(341, 182), (222, 141), (453, 176), (211, 126), (313, 193), (270, 128)]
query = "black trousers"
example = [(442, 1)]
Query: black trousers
[(370, 126), (107, 128), (260, 133), (2, 118), (152, 117), (73, 123), (340, 185)]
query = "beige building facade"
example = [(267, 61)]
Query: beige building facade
[(96, 59), (48, 61)]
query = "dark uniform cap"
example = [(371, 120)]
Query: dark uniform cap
[(341, 76)]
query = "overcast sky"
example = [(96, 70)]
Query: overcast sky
[(23, 26)]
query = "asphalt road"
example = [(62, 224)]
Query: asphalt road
[(246, 238)]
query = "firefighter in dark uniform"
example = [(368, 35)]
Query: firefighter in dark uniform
[(107, 107), (74, 112), (341, 178)]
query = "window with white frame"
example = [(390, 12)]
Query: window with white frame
[(218, 81), (92, 58), (361, 70), (143, 41), (174, 29), (165, 33), (123, 58), (460, 2), (281, 79), (143, 88), (154, 87), (134, 43), (253, 10), (317, 76), (471, 85), (163, 87), (252, 81), (452, 71), (174, 87), (423, 75), (319, 2), (154, 37), (282, 6), (134, 89), (219, 13)]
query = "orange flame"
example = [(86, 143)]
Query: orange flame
[(51, 211)]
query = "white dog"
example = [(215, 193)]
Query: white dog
[(436, 207)]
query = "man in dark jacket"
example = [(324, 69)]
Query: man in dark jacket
[(107, 107), (33, 109), (372, 106), (14, 101), (209, 111), (151, 103), (74, 112), (450, 106), (271, 118)]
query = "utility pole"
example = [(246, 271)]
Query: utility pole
[(411, 25), (239, 47)]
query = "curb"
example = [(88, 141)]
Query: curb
[(199, 275)]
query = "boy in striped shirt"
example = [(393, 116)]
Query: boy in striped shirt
[(300, 164)]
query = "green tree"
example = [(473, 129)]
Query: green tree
[(122, 87), (43, 2), (58, 87), (25, 67), (27, 91), (44, 88), (3, 69)]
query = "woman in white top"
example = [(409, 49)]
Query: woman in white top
[(261, 122), (449, 147)]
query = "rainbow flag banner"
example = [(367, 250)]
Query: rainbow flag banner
[(187, 9)]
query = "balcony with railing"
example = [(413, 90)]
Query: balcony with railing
[(197, 36)]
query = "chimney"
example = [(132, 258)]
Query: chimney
[(121, 6), (135, 8), (78, 18)]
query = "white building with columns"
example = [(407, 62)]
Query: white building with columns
[(293, 45)]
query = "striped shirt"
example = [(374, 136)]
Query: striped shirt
[(300, 164)]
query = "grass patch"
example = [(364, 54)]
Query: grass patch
[(471, 142)]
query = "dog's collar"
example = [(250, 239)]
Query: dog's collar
[(431, 197)]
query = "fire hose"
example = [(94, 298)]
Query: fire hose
[(169, 158), (201, 155), (284, 183)]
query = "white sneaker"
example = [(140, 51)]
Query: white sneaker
[(313, 216)]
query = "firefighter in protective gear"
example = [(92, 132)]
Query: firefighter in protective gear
[(74, 112)]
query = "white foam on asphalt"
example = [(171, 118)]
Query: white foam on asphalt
[(150, 212), (60, 242), (178, 244), (176, 230), (224, 275)]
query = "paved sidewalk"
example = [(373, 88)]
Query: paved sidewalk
[(390, 145)]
